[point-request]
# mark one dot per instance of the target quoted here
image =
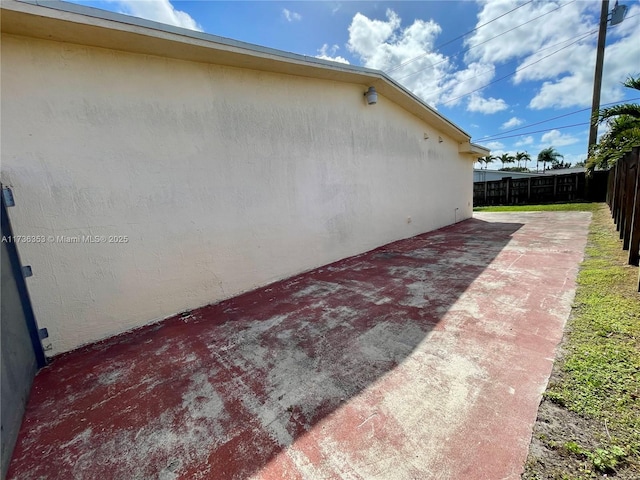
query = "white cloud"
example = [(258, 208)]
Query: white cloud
[(494, 146), (158, 11), (512, 122), (567, 75), (554, 138), (291, 16), (524, 141), (367, 38), (562, 80), (471, 79), (486, 105), (536, 67), (566, 92), (406, 54), (531, 35), (329, 53), (575, 89)]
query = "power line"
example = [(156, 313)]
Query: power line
[(579, 37), (486, 41), (492, 137), (502, 78), (519, 69), (406, 62), (537, 131)]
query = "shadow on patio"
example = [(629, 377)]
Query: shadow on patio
[(222, 392)]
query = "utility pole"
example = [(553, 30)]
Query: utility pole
[(617, 16), (597, 79)]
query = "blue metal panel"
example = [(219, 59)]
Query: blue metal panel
[(22, 352)]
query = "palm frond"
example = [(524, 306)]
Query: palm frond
[(623, 124), (633, 83), (630, 109)]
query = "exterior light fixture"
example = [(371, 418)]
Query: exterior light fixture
[(372, 96)]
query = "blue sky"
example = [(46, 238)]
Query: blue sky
[(524, 62)]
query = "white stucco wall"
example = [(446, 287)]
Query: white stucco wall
[(222, 179)]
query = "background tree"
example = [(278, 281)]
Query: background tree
[(559, 164), (486, 160), (624, 131), (506, 158), (523, 157), (549, 155)]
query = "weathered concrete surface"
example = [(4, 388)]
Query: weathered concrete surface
[(424, 359)]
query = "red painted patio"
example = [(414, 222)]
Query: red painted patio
[(423, 359)]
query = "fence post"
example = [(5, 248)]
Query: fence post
[(634, 237), (615, 193), (622, 180), (610, 184), (630, 188), (528, 189)]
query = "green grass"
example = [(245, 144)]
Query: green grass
[(603, 460), (555, 207), (601, 368)]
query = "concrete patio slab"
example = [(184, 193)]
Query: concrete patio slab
[(423, 359)]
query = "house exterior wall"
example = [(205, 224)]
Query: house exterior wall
[(221, 179)]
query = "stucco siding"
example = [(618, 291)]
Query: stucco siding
[(222, 179)]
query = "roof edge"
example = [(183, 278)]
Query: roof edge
[(474, 150), (123, 18)]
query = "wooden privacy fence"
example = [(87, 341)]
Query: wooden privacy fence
[(540, 189), (624, 201)]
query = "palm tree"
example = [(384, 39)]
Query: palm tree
[(486, 160), (506, 158), (624, 131), (548, 155), (523, 157)]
